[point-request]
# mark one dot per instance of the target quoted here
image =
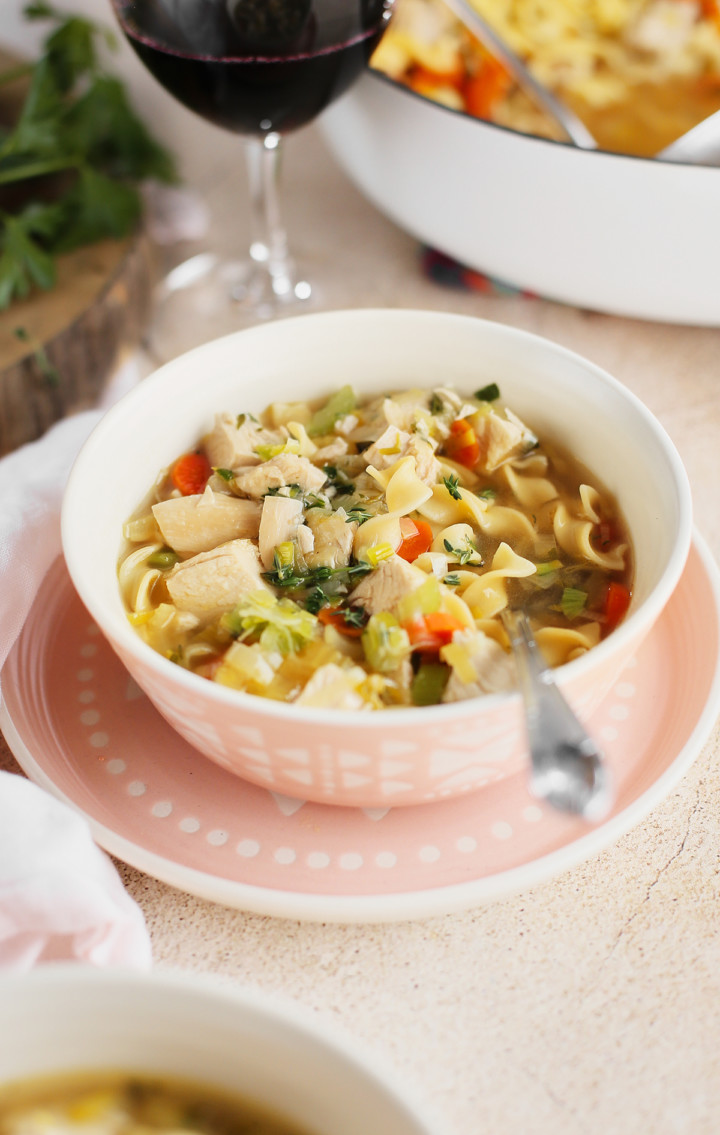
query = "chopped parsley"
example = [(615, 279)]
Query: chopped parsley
[(225, 474), (436, 404), (452, 485), (489, 393)]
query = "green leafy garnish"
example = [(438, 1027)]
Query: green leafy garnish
[(452, 579), (486, 494), (462, 555), (436, 404), (337, 479), (278, 624), (489, 393), (75, 121), (452, 485), (225, 474), (359, 514)]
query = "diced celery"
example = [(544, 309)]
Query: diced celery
[(422, 601), (337, 406), (429, 683), (573, 602), (385, 642), (378, 552)]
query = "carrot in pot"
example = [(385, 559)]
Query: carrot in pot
[(190, 473)]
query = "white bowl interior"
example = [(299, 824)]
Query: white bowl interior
[(65, 1019), (557, 392)]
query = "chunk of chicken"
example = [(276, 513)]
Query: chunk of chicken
[(494, 669), (230, 446), (400, 444), (333, 687), (201, 521), (280, 520), (500, 439), (213, 582), (384, 587), (333, 539), (284, 469), (334, 449)]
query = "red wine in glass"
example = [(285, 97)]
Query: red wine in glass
[(259, 68)]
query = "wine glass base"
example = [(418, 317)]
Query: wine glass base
[(206, 297)]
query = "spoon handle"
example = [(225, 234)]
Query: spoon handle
[(567, 767), (576, 130)]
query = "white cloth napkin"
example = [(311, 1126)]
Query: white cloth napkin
[(60, 895)]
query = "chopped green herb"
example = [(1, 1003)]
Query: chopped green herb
[(359, 515), (488, 393), (436, 404), (452, 485), (487, 494), (225, 474), (47, 369), (293, 491), (74, 119), (548, 566), (462, 555), (337, 479), (452, 579)]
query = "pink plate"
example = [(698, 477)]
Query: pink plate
[(81, 728)]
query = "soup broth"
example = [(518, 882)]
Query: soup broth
[(360, 555), (101, 1103)]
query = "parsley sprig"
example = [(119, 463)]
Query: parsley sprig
[(76, 123)]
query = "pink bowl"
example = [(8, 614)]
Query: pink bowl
[(394, 757)]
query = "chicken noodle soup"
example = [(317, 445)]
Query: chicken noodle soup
[(98, 1103), (638, 72), (359, 555)]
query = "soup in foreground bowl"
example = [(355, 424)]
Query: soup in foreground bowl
[(359, 555), (98, 1103)]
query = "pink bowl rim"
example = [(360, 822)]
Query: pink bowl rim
[(631, 630)]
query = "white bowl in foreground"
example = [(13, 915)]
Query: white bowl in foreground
[(72, 1019), (399, 756), (624, 235)]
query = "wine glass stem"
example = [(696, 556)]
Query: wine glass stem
[(268, 240)]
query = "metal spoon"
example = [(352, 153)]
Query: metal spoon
[(576, 130), (567, 766)]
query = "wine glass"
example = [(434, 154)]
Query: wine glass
[(261, 69)]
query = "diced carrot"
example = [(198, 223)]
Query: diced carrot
[(617, 601), (428, 633), (484, 89), (335, 617), (190, 473), (452, 76), (417, 536), (462, 444)]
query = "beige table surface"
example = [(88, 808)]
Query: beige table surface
[(589, 1004)]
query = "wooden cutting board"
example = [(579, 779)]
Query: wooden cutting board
[(58, 348)]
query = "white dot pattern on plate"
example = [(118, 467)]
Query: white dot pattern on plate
[(217, 837), (318, 860), (466, 844)]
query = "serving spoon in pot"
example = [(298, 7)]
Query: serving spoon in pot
[(568, 768), (697, 146)]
